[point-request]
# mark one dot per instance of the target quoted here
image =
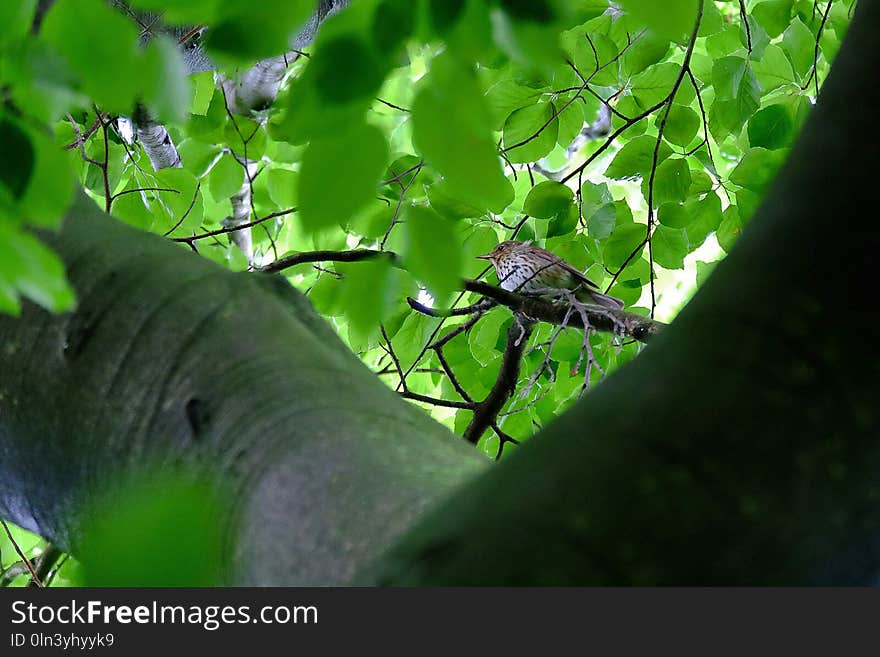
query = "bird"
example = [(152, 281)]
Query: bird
[(524, 267)]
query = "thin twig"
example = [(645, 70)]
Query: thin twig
[(27, 562)]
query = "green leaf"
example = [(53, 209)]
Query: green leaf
[(448, 205), (596, 61), (654, 83), (366, 294), (773, 70), (730, 228), (186, 203), (682, 125), (506, 96), (648, 50), (16, 17), (226, 178), (671, 19), (483, 340), (737, 93), (712, 21), (673, 215), (626, 241), (131, 209), (29, 267), (593, 195), (453, 130), (101, 47), (636, 158), (433, 252), (704, 269), (547, 199), (799, 44), (773, 15), (530, 133), (759, 37), (17, 163), (705, 217), (130, 535), (165, 88), (771, 128), (201, 91), (244, 31), (756, 169), (346, 69), (571, 122), (339, 175), (602, 222), (669, 246), (444, 14), (564, 223), (282, 185), (51, 184), (672, 181)]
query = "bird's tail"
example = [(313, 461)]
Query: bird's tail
[(592, 296)]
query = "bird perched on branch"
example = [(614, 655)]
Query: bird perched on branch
[(523, 267)]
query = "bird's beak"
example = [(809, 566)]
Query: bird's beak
[(488, 256)]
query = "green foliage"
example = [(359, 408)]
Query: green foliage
[(548, 199), (172, 534), (340, 174), (672, 19), (432, 252), (432, 130), (452, 129)]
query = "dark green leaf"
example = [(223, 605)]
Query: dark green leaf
[(346, 69), (17, 162), (771, 128)]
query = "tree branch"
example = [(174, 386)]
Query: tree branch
[(554, 312), (325, 256), (486, 412)]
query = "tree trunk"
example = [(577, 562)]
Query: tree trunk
[(325, 464), (743, 445)]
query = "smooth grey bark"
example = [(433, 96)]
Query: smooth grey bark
[(743, 445), (324, 464)]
